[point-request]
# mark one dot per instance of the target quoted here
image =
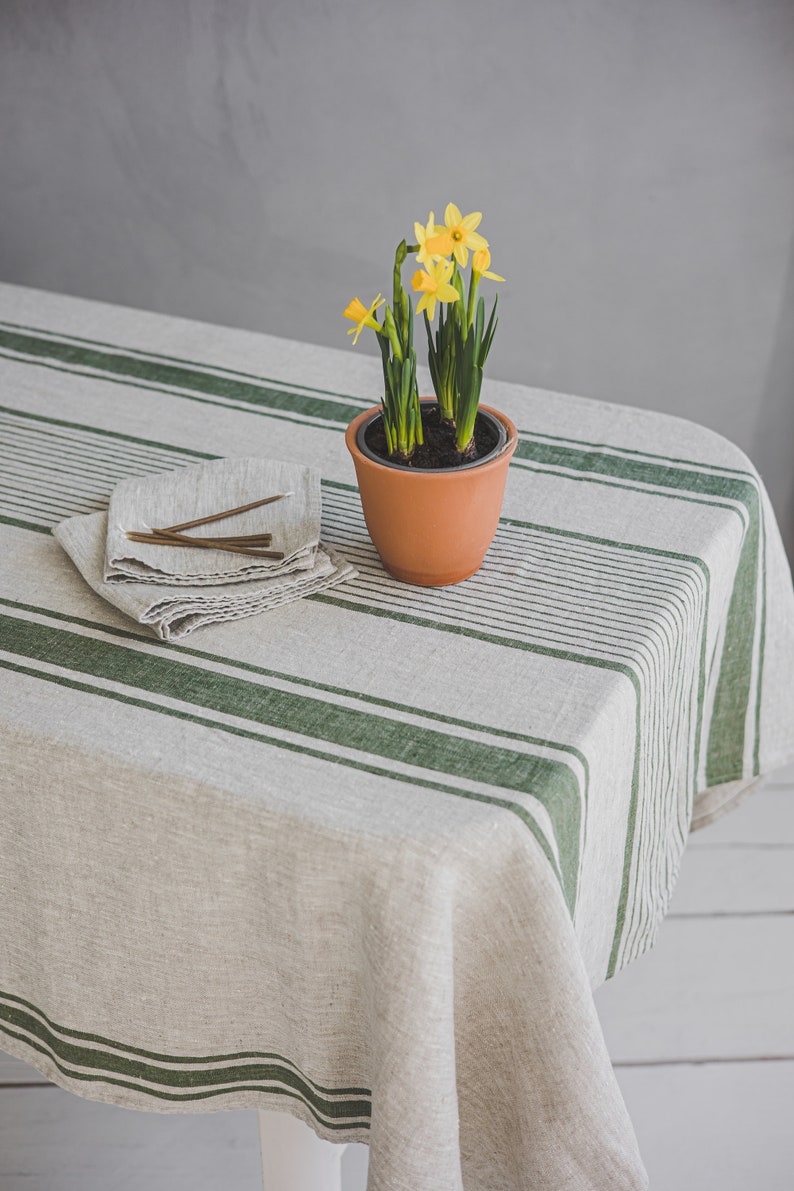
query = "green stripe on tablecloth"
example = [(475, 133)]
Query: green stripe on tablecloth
[(193, 379), (572, 541), (571, 544), (726, 745), (309, 683), (177, 1060), (244, 1071), (338, 487), (100, 432), (557, 593), (626, 910), (634, 453), (254, 408), (22, 523), (663, 474), (261, 738), (551, 782), (168, 359)]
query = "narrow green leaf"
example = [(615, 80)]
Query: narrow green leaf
[(490, 331), (479, 321)]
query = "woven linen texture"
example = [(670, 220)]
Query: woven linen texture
[(363, 858)]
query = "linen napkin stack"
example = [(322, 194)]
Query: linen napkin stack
[(176, 589)]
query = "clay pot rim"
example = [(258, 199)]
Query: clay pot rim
[(506, 431)]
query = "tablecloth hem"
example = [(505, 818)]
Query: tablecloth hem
[(140, 1101), (711, 804)]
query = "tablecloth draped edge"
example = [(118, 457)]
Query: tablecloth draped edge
[(140, 1102)]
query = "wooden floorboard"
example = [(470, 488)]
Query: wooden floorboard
[(719, 984), (721, 1127), (32, 1155), (764, 818), (711, 988), (720, 981), (51, 1140), (727, 880), (784, 776), (14, 1071)]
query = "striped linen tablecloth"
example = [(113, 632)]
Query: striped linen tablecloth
[(362, 858)]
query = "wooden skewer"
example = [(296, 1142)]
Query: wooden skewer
[(247, 539), (182, 539), (170, 539), (244, 539), (200, 544), (277, 554), (255, 504)]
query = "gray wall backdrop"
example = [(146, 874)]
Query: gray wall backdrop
[(254, 162)]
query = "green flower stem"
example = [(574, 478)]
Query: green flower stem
[(441, 361), (460, 305), (401, 413), (474, 285), (419, 430)]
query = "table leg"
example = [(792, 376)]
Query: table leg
[(294, 1158)]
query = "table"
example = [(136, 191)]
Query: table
[(363, 859)]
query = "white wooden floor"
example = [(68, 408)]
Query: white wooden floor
[(701, 1032)]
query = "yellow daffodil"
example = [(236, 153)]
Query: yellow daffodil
[(423, 235), (434, 286), (357, 311), (459, 234), (480, 263)]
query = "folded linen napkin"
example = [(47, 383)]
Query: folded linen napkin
[(174, 610), (174, 497)]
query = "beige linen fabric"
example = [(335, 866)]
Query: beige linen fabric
[(173, 610), (363, 859), (142, 503)]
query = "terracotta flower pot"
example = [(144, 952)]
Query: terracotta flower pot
[(431, 527)]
